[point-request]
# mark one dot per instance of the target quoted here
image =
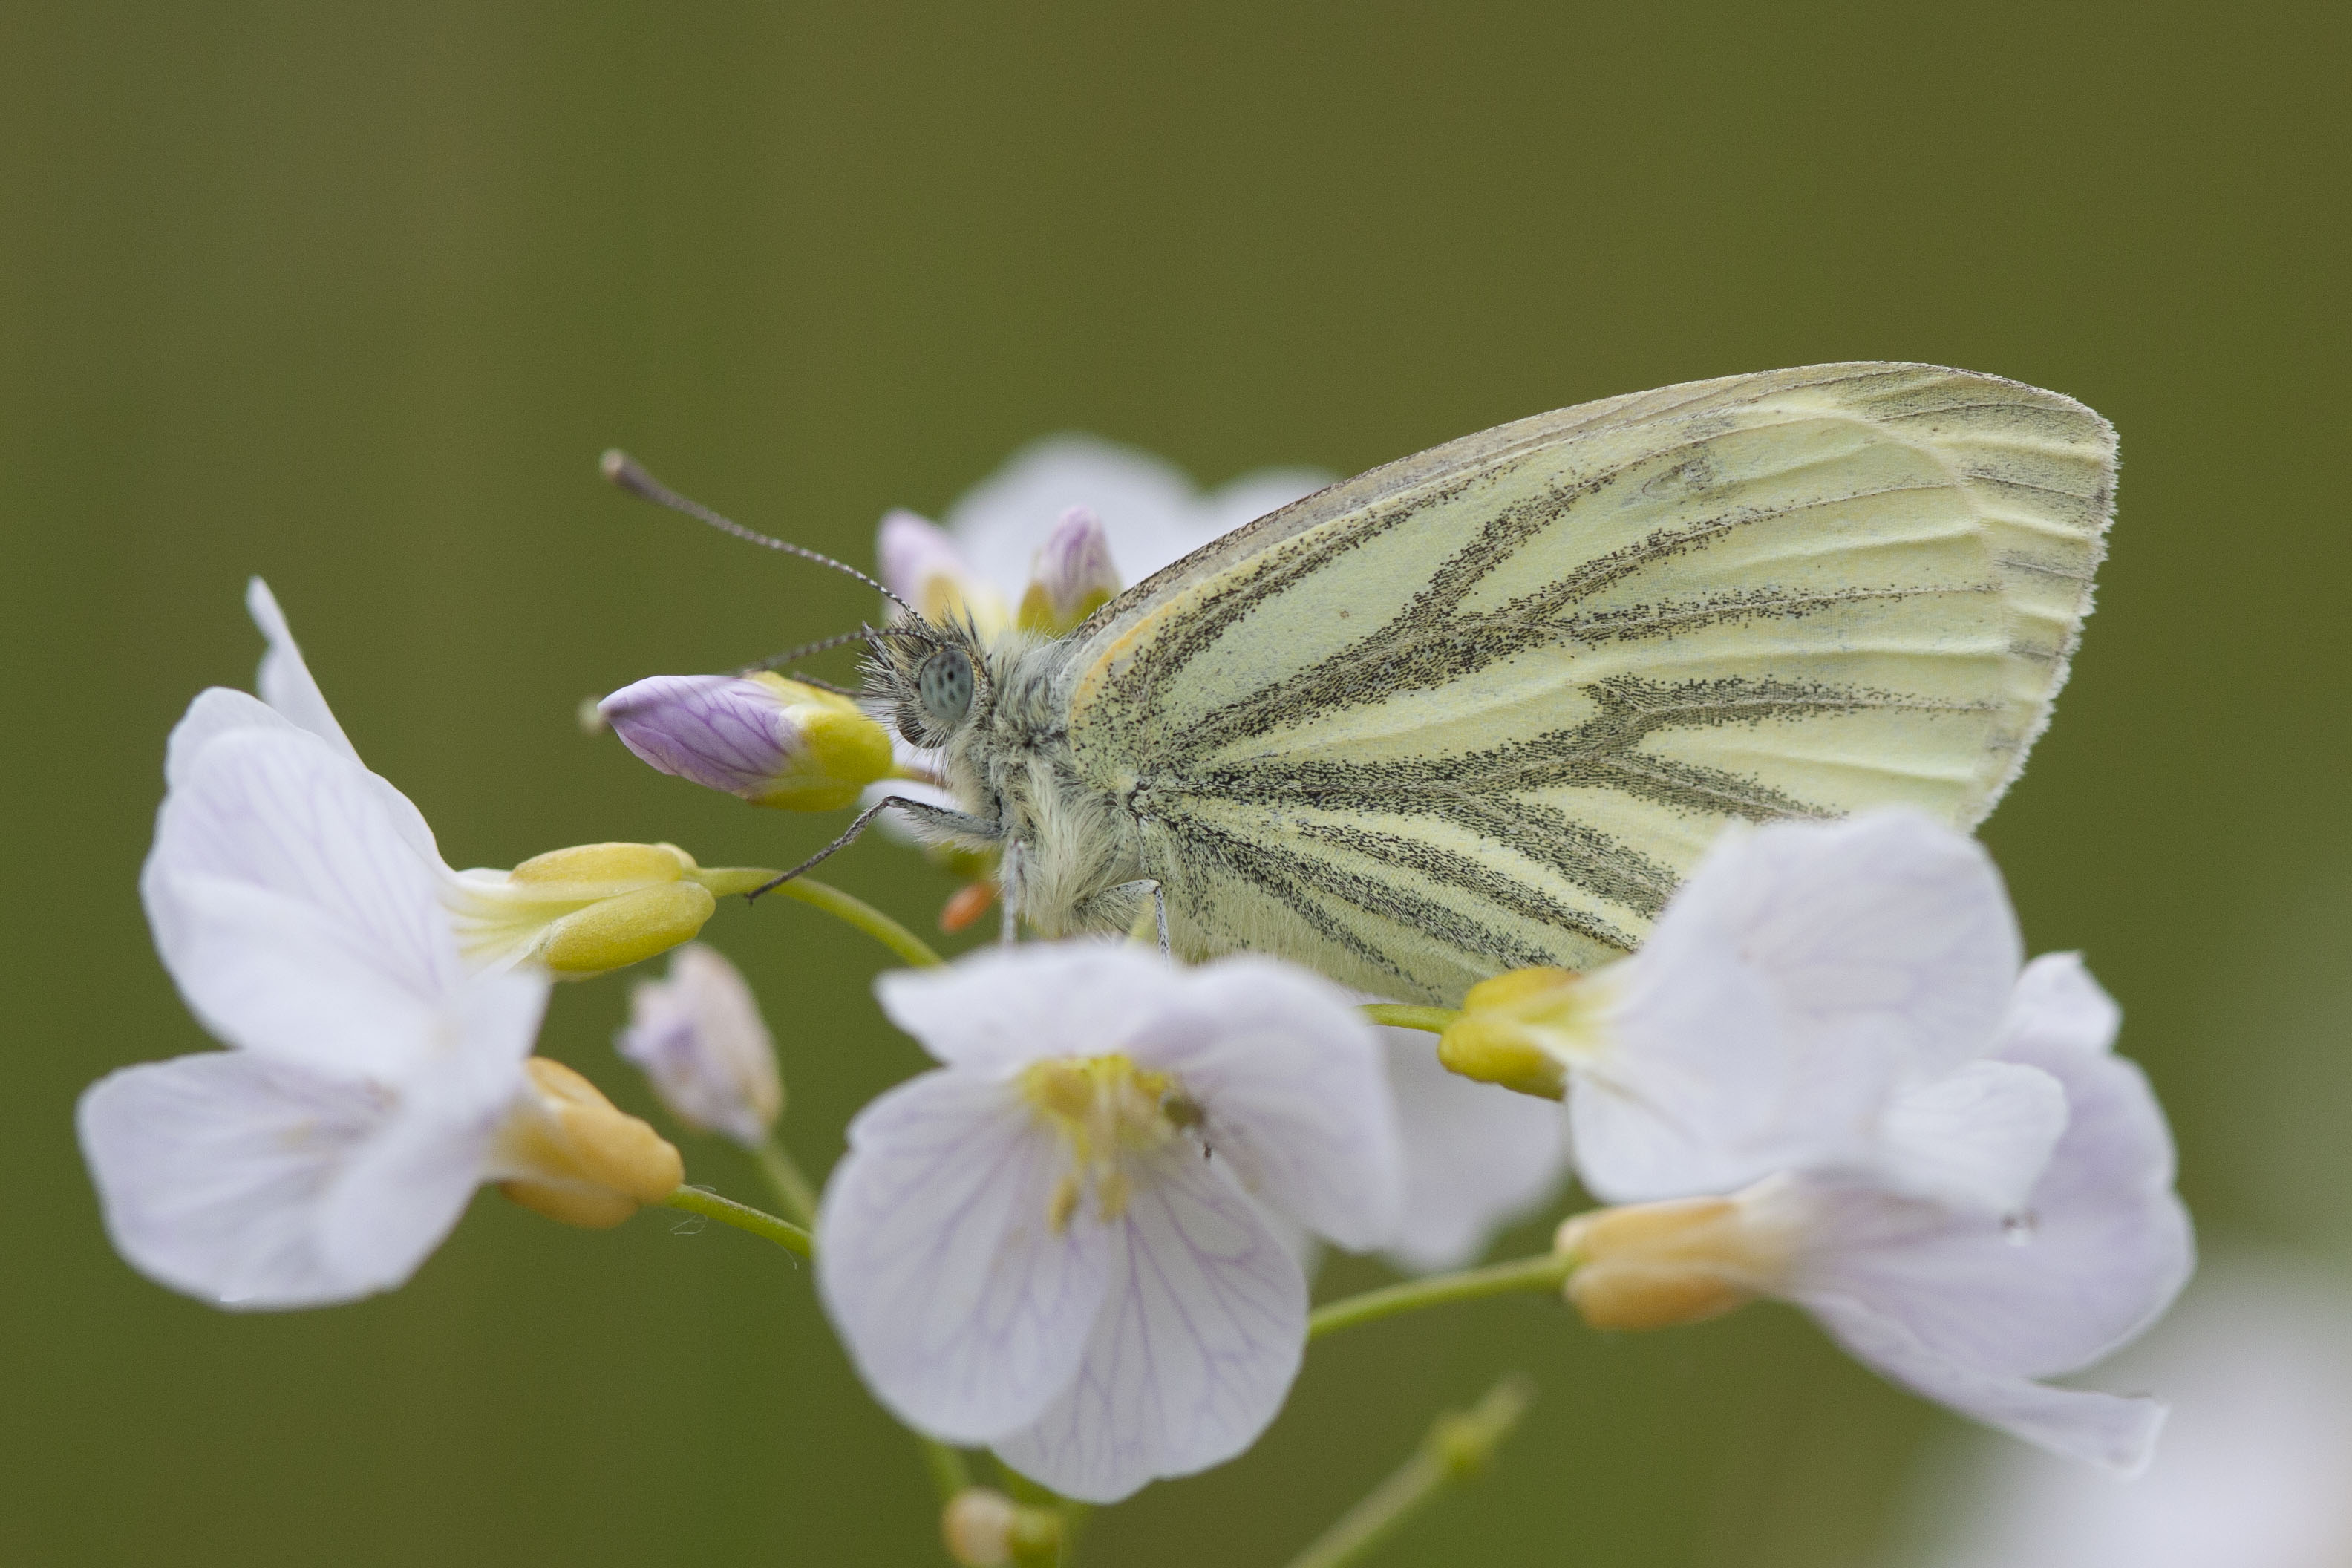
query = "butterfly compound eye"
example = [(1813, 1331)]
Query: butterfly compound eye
[(944, 684)]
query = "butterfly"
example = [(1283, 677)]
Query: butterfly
[(1483, 707)]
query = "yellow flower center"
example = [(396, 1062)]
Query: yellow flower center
[(1108, 1110)]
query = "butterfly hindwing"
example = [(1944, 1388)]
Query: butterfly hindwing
[(1484, 706)]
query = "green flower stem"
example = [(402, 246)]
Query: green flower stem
[(1399, 1016), (1459, 1445), (742, 1216), (1546, 1271), (949, 1471), (792, 1188), (946, 1465), (856, 912)]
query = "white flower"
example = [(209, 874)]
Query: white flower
[(2257, 1362), (1969, 1307), (1053, 1245), (1475, 1157), (379, 1082), (1149, 514), (577, 911), (1818, 996), (700, 1036)]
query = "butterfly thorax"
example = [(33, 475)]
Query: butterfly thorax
[(1069, 848)]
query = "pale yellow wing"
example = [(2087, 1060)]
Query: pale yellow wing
[(1483, 707)]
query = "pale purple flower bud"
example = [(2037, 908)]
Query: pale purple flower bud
[(1071, 576), (771, 741), (921, 565), (700, 1037)]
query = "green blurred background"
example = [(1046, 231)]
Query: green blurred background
[(353, 296)]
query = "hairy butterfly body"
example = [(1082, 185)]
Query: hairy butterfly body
[(1483, 707)]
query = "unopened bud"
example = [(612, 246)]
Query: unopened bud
[(921, 565), (1652, 1266), (984, 1529), (772, 741), (566, 1152), (1071, 577), (1522, 1029), (590, 908), (700, 1037)]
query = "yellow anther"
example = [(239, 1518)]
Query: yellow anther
[(1107, 1110)]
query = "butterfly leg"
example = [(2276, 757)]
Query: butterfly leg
[(1159, 904), (938, 815), (1008, 894)]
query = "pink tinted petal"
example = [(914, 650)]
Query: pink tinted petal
[(1293, 1089), (1475, 1157), (721, 731), (2115, 1433), (912, 550), (1200, 1332), (964, 1309)]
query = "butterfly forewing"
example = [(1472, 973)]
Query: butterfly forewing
[(1483, 707)]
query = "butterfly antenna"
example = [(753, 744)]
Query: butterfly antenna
[(809, 649), (630, 475)]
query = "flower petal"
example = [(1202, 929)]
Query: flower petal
[(1475, 1157), (1888, 927), (1151, 512), (1976, 1138), (2057, 1005), (2101, 1252), (402, 1191), (963, 1308), (284, 679), (1002, 1008), (2109, 1430), (216, 1172), (1295, 1090), (1200, 1333), (289, 908), (1710, 1085)]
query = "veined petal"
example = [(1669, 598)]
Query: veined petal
[(1200, 1333), (284, 679), (1293, 1089), (1475, 1156), (215, 1173), (1003, 1007), (2108, 1430), (964, 1307), (1979, 1137)]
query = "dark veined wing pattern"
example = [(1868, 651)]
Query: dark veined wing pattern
[(1483, 707)]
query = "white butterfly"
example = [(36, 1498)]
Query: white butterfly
[(1483, 707)]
